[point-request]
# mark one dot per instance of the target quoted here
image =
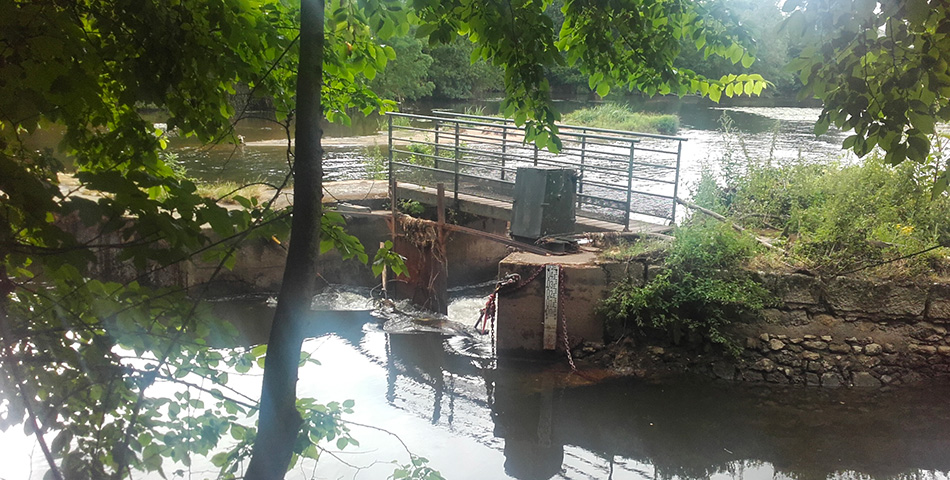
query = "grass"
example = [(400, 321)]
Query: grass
[(621, 117), (631, 250), (225, 191), (868, 218)]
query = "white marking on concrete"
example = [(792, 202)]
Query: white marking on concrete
[(551, 288)]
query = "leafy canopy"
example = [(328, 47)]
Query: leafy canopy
[(617, 44), (80, 355), (881, 69)]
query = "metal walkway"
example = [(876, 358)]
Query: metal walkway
[(626, 181)]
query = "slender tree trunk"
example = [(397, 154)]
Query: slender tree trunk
[(279, 421)]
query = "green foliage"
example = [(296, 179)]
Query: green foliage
[(408, 76), (387, 258), (333, 236), (833, 218), (377, 164), (772, 46), (455, 76), (622, 117), (87, 367), (233, 193), (700, 292), (882, 70), (82, 354), (645, 247), (410, 207), (630, 45), (89, 66), (418, 469), (323, 423)]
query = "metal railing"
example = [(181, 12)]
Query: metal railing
[(620, 173)]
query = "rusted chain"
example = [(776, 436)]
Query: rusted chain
[(560, 312), (489, 313)]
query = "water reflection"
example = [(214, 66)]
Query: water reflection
[(549, 423), (696, 430), (478, 418)]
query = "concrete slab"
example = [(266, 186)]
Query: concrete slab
[(501, 210)]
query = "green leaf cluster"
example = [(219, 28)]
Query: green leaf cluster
[(87, 359), (881, 69), (615, 44), (83, 353), (417, 469)]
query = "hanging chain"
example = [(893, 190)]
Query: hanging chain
[(532, 277), (489, 313), (560, 312)]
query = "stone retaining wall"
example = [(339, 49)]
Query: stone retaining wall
[(830, 333), (847, 331)]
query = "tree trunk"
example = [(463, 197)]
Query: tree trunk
[(279, 421)]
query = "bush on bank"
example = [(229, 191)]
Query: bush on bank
[(702, 289), (867, 219)]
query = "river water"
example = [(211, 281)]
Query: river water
[(447, 398), (478, 418), (779, 132)]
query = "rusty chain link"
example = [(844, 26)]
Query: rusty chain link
[(489, 312)]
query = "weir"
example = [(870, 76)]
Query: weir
[(601, 180), (626, 181)]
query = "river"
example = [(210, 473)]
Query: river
[(780, 131), (477, 417)]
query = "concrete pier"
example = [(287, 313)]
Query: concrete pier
[(584, 282)]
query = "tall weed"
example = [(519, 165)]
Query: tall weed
[(836, 219)]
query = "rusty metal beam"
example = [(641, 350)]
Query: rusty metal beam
[(470, 231)]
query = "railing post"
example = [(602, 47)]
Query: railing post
[(626, 219), (504, 148), (676, 180), (458, 155), (436, 161), (580, 178), (392, 170)]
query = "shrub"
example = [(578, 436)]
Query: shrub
[(702, 289)]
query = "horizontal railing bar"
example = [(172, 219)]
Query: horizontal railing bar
[(482, 124), (413, 129), (578, 127), (601, 202), (647, 149), (651, 214), (421, 167), (490, 179), (605, 186), (627, 161), (650, 194)]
